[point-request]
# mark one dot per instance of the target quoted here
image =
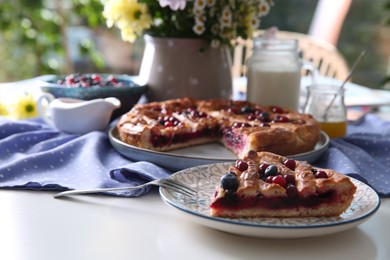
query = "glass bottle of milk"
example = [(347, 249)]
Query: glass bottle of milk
[(274, 73)]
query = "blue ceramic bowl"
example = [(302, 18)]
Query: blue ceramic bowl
[(128, 93)]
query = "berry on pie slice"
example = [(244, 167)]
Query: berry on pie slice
[(264, 184)]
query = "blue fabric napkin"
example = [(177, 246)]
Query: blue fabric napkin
[(363, 154), (35, 156)]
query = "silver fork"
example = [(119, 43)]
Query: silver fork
[(166, 183)]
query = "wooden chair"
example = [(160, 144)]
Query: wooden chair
[(323, 55)]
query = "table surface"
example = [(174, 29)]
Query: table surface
[(34, 225)]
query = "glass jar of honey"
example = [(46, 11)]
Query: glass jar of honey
[(326, 104)]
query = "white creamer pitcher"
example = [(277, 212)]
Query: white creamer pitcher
[(77, 116)]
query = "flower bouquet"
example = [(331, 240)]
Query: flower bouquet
[(218, 22)]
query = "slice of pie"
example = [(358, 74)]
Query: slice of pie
[(168, 125), (239, 125), (264, 184)]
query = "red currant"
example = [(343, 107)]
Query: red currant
[(251, 117), (291, 190), (262, 167), (290, 164), (289, 178), (269, 179), (276, 109), (168, 123), (281, 119), (279, 179), (321, 174), (241, 165)]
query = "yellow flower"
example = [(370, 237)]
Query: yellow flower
[(131, 17), (25, 107), (3, 110)]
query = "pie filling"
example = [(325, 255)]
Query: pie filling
[(232, 140), (159, 140), (234, 202)]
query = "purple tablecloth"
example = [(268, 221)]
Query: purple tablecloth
[(34, 156)]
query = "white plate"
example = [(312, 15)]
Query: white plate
[(198, 155), (205, 178)]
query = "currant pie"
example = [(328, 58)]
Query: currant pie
[(264, 184), (239, 125)]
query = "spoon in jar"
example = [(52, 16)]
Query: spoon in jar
[(351, 71)]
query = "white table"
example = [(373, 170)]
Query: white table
[(34, 225)]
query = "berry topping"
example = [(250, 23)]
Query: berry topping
[(271, 170), (265, 124), (252, 117), (290, 179), (195, 113), (290, 164), (269, 179), (263, 167), (264, 117), (276, 109), (240, 124), (241, 165), (258, 111), (168, 121), (279, 179), (281, 119), (166, 111), (168, 124), (247, 110), (233, 110), (321, 174), (291, 190), (229, 181)]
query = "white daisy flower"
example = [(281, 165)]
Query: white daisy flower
[(226, 18), (200, 18), (199, 4), (197, 12), (199, 28), (255, 22), (210, 3), (264, 8)]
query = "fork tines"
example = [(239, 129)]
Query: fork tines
[(179, 187)]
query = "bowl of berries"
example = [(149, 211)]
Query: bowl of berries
[(96, 85)]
